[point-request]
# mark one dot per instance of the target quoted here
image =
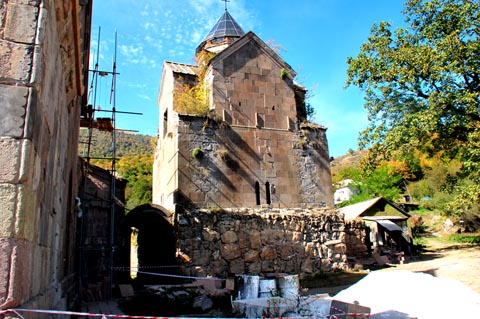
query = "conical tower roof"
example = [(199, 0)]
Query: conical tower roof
[(226, 26)]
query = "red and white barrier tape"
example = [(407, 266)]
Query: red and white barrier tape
[(17, 311)]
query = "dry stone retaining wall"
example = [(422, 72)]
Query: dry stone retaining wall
[(355, 238), (221, 243)]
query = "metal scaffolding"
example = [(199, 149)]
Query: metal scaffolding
[(97, 233)]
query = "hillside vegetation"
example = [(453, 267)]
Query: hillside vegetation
[(134, 154)]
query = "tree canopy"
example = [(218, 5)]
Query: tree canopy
[(422, 88), (422, 82)]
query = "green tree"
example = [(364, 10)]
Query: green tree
[(137, 169), (422, 82), (422, 86), (384, 181)]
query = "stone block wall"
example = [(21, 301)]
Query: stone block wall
[(226, 242), (41, 84), (248, 88), (237, 160)]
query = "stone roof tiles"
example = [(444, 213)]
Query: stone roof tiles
[(226, 26)]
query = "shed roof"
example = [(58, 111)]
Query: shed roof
[(356, 210)]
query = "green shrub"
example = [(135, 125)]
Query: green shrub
[(468, 239), (197, 153)]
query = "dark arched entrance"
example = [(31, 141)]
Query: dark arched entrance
[(156, 244)]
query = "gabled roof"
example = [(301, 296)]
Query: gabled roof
[(226, 26), (250, 36), (357, 210)]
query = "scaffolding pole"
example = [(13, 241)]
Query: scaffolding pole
[(88, 120)]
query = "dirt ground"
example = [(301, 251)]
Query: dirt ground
[(440, 259), (447, 260)]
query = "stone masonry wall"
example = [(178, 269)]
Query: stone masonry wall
[(221, 243), (355, 237), (40, 89), (235, 159)]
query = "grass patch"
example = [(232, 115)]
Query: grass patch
[(465, 238), (420, 241)]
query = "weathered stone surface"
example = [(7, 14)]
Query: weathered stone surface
[(27, 160), (237, 266), (269, 253), (201, 257), (15, 61), (210, 235), (255, 240), (13, 101), (230, 251), (20, 23), (219, 268), (286, 252), (307, 266), (243, 240), (229, 237), (8, 203), (268, 266), (254, 268), (9, 160), (251, 256), (6, 247)]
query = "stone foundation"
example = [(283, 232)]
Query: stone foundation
[(222, 243), (355, 237)]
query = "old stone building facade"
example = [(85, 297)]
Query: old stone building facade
[(254, 147), (43, 57), (247, 180)]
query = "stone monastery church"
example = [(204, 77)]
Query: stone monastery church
[(252, 146)]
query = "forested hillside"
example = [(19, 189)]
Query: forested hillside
[(134, 154), (127, 144)]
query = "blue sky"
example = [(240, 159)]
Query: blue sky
[(316, 37)]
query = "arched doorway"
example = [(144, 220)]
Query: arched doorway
[(154, 243)]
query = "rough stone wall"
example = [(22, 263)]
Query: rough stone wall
[(355, 236), (235, 159), (221, 243), (40, 89)]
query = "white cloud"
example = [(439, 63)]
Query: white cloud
[(144, 97), (131, 50), (196, 37), (204, 5), (148, 25)]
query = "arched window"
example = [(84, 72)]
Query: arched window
[(257, 192), (267, 193)]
